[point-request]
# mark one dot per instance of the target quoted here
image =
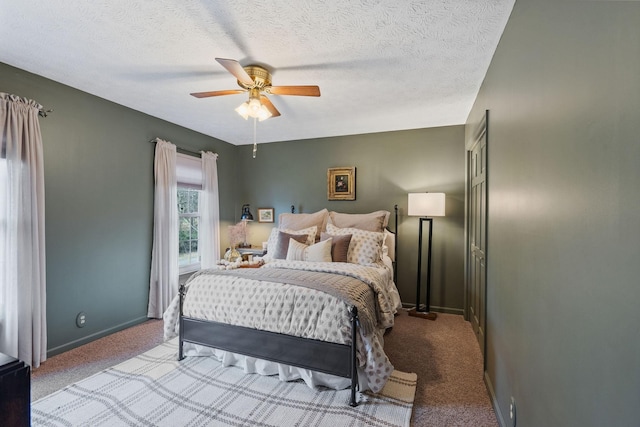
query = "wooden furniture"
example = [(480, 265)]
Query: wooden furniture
[(15, 392)]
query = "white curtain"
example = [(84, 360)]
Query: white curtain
[(163, 284), (23, 317), (209, 240)]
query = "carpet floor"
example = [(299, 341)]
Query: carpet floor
[(443, 353), (155, 389), (447, 359)]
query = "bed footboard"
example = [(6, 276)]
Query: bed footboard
[(330, 358)]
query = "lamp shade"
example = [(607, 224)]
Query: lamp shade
[(426, 204), (246, 214)]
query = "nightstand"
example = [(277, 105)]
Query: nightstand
[(15, 392), (253, 251)]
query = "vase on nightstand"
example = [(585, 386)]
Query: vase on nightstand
[(232, 254)]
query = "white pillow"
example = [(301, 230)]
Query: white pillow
[(320, 252), (365, 247), (273, 237), (389, 246)]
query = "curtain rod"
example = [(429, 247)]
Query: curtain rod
[(44, 113), (183, 150)]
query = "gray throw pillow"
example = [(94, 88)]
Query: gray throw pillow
[(283, 243), (339, 246)]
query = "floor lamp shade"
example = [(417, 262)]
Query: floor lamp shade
[(425, 205)]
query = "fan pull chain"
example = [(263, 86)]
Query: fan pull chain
[(255, 144)]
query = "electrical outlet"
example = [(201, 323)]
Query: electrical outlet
[(81, 319), (512, 411)]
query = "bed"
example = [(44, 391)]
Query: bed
[(316, 310)]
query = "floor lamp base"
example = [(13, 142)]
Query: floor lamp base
[(423, 314)]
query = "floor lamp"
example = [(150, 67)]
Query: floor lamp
[(425, 205)]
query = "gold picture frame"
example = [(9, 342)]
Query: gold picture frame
[(265, 214), (341, 183)]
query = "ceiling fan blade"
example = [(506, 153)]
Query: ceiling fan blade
[(236, 69), (294, 90), (217, 93), (272, 109)]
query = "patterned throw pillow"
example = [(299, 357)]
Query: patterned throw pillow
[(339, 246), (320, 252), (365, 247)]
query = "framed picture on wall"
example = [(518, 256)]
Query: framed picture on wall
[(265, 214), (341, 183)]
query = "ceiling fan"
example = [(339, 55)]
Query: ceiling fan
[(257, 81)]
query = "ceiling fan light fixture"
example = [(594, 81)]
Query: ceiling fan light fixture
[(257, 81), (253, 108), (263, 113), (243, 110)]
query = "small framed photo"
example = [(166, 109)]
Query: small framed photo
[(265, 214), (341, 183)]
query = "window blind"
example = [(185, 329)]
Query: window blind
[(189, 171)]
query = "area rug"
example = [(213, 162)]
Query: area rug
[(154, 389)]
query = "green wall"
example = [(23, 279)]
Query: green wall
[(99, 205), (563, 91), (388, 166), (99, 200)]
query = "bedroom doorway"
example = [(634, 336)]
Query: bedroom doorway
[(476, 226)]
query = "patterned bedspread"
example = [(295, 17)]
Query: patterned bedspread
[(296, 298)]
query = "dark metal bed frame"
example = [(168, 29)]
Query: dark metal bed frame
[(321, 356), (331, 358)]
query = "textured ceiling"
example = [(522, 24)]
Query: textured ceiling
[(381, 65)]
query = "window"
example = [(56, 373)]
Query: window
[(189, 221), (189, 177)]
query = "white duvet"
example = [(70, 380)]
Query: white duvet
[(291, 310)]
